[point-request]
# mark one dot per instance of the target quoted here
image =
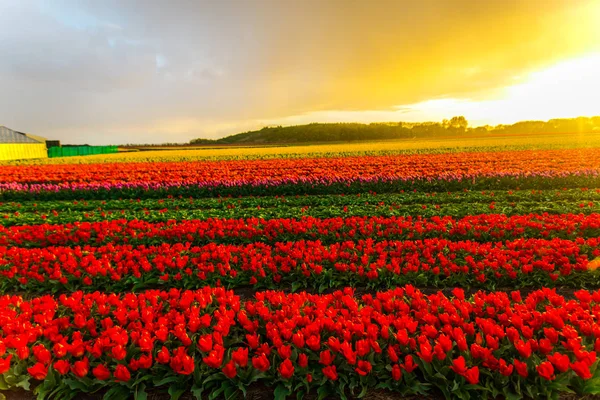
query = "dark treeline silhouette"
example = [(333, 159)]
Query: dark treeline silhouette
[(344, 132)]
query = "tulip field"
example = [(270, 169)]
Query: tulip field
[(441, 275)]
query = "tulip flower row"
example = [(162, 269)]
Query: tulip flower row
[(304, 264), (481, 228), (581, 196), (545, 168), (464, 165), (231, 211), (209, 340), (350, 187)]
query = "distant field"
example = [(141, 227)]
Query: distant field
[(427, 145)]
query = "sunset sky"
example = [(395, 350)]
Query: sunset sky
[(118, 71)]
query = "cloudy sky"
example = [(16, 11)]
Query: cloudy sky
[(120, 71)]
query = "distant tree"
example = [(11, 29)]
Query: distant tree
[(459, 123), (202, 141)]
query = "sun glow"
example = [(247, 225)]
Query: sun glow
[(566, 89)]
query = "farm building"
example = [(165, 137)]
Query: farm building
[(17, 145)]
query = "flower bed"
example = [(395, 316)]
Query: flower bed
[(577, 167), (379, 200), (483, 227), (208, 339), (140, 259), (303, 264), (455, 204)]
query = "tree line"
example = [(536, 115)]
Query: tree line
[(344, 132)]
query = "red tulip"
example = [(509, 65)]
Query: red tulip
[(330, 372), (144, 361), (409, 365), (122, 373), (524, 348), (521, 368), (363, 368), (302, 360), (472, 375), (298, 340), (163, 356), (459, 366), (326, 358), (118, 352), (426, 353), (261, 362), (183, 364), (101, 372), (22, 352), (285, 351), (347, 351), (38, 371), (253, 341), (314, 342), (560, 361), (396, 372), (546, 370), (205, 343), (392, 354), (81, 368), (59, 350), (230, 370), (286, 369), (62, 366), (506, 369), (41, 354), (215, 357), (5, 363), (582, 369), (240, 356)]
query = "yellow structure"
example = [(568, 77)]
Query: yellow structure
[(19, 146)]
